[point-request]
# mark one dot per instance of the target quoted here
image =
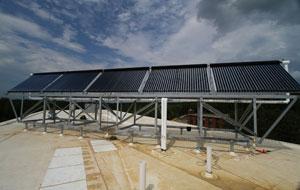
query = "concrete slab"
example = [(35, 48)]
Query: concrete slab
[(68, 151), (77, 185), (58, 176), (65, 161), (100, 142), (102, 146)]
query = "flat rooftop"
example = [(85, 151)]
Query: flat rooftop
[(33, 160)]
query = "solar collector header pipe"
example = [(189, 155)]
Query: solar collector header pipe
[(285, 64)]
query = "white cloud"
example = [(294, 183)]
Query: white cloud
[(36, 9), (184, 46), (296, 75), (12, 24)]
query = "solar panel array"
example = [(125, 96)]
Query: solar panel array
[(258, 77), (119, 81), (189, 79), (72, 82), (35, 83), (269, 77)]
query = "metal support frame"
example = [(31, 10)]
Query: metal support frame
[(129, 117), (251, 114), (32, 108), (238, 123), (275, 123), (14, 109), (83, 110), (226, 118)]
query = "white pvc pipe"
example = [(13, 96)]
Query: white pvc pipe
[(208, 160), (142, 177), (163, 141)]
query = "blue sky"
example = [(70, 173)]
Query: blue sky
[(38, 36)]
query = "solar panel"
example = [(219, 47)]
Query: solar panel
[(178, 79), (270, 77), (72, 81), (35, 83), (119, 80)]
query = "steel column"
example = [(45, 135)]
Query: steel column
[(100, 112), (254, 118), (236, 117), (155, 115), (70, 111), (22, 106), (44, 115), (118, 113), (200, 121), (134, 113), (96, 111)]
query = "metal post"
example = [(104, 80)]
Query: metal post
[(44, 115), (100, 112), (61, 130), (96, 110), (70, 111), (81, 133), (121, 112), (54, 109), (117, 114), (208, 172), (164, 103), (21, 110), (155, 115), (236, 118), (254, 119), (142, 177), (231, 151), (200, 122), (134, 113)]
